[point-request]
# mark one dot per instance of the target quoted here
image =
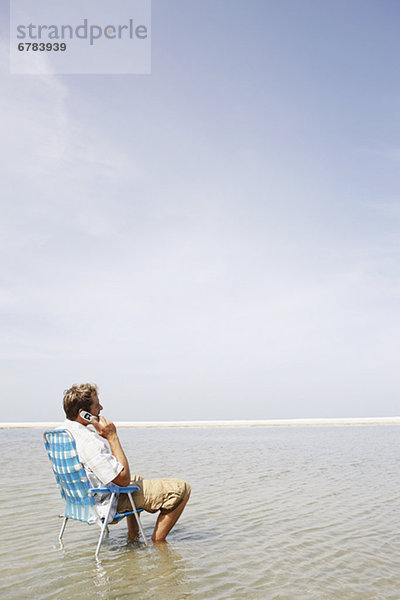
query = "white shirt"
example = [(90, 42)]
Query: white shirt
[(100, 464)]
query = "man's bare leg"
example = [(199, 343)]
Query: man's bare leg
[(166, 521), (133, 529)]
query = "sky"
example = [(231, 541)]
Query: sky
[(218, 239)]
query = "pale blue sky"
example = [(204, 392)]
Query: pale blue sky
[(219, 239)]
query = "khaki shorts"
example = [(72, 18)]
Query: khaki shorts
[(155, 494)]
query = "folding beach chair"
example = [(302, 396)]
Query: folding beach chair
[(75, 489)]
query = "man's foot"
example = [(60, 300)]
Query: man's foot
[(159, 542)]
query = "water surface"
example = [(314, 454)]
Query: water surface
[(288, 513)]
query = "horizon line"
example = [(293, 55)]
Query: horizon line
[(227, 423)]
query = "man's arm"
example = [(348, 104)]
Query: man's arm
[(108, 431)]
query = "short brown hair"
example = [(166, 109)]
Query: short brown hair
[(77, 398)]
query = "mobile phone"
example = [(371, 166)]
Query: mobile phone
[(87, 416)]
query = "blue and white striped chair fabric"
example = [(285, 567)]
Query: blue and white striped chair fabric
[(74, 486), (70, 476)]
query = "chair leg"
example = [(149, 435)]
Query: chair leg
[(104, 527), (137, 517), (63, 528)]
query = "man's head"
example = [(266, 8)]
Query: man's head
[(81, 397)]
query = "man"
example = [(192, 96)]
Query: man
[(103, 457)]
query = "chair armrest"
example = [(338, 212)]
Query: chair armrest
[(114, 488)]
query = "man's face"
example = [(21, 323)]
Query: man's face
[(95, 406)]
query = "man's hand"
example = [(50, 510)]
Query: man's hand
[(104, 427), (108, 431)]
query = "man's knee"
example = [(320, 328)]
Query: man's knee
[(188, 489)]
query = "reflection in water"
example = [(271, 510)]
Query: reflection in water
[(169, 564), (119, 576), (100, 581)]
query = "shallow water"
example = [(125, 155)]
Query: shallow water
[(288, 513)]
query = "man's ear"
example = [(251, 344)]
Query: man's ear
[(80, 420)]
